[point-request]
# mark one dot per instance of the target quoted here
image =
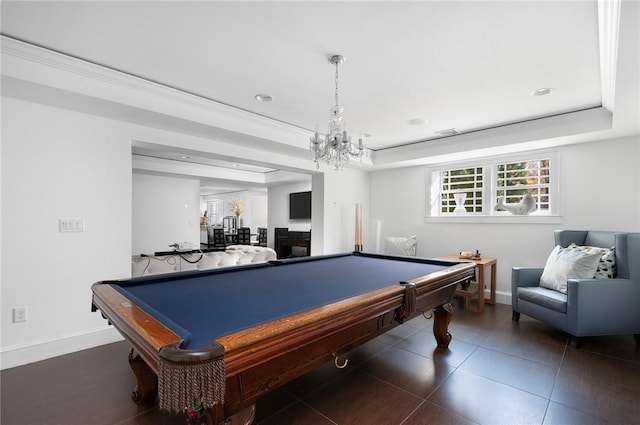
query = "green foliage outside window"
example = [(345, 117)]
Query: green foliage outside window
[(467, 181)]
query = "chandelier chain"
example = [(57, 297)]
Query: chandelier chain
[(336, 80)]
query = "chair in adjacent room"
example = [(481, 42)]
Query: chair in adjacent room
[(219, 239), (244, 236), (262, 237), (570, 294)]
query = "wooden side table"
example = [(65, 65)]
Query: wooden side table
[(477, 288)]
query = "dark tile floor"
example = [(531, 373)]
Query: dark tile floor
[(495, 372)]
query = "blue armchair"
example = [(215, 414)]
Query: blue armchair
[(590, 307)]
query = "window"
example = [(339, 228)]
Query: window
[(516, 179), (461, 189), (476, 189), (215, 217)]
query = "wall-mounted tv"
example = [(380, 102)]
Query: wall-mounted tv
[(299, 205)]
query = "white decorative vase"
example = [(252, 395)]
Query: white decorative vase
[(460, 198)]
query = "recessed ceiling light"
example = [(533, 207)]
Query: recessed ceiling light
[(417, 121), (264, 98), (541, 92)]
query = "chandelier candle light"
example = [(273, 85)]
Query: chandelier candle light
[(335, 147)]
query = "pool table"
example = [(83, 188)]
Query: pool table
[(212, 342)]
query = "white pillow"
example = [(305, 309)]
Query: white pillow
[(400, 246), (565, 263)]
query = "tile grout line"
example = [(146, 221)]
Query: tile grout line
[(319, 413), (455, 368), (555, 381)]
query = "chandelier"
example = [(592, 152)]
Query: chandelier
[(335, 147)]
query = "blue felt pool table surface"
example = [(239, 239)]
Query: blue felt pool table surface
[(205, 305)]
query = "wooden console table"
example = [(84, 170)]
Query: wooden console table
[(478, 286)]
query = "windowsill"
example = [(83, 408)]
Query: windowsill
[(501, 219)]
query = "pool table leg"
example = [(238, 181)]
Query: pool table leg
[(442, 317), (146, 390)]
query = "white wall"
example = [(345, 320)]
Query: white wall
[(166, 210), (601, 183), (259, 211), (342, 191), (599, 190), (59, 164)]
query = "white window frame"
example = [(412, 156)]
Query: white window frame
[(489, 198)]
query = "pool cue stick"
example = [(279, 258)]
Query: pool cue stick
[(355, 236), (358, 225)]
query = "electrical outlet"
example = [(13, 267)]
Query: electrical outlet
[(19, 314)]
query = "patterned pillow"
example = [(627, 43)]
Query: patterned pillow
[(607, 264)]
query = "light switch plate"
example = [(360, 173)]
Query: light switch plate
[(71, 225)]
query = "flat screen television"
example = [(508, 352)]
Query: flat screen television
[(299, 205)]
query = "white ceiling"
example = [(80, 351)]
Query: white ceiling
[(464, 65)]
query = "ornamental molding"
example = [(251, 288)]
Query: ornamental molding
[(608, 33), (39, 65)]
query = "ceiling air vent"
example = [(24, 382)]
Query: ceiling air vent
[(448, 132)]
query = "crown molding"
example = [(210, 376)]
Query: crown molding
[(198, 171), (608, 33), (42, 66), (541, 131)]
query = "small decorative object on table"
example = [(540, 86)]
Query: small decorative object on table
[(469, 255), (466, 254)]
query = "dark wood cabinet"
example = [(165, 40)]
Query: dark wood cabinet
[(292, 243)]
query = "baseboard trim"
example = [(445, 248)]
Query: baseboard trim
[(19, 355), (501, 297)]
